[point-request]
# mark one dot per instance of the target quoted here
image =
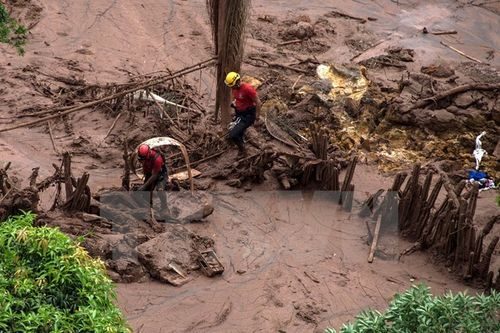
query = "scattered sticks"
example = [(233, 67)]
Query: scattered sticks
[(121, 94)]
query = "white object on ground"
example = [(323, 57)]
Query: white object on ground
[(479, 152), (149, 96)]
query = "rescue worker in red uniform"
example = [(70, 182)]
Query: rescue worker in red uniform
[(247, 108), (153, 167), (155, 178)]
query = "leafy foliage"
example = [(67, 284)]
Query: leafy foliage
[(417, 311), (48, 283), (12, 32)]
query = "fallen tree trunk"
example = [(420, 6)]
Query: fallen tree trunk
[(457, 90)]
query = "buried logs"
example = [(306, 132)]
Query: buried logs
[(447, 228)]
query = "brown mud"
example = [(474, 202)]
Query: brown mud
[(294, 261)]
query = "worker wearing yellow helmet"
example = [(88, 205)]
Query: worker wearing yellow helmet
[(246, 104)]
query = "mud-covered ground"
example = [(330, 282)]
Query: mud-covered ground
[(294, 262)]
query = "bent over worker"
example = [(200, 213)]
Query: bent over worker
[(154, 168), (246, 105), (155, 178)]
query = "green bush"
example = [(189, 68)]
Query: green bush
[(417, 311), (12, 32), (48, 283)]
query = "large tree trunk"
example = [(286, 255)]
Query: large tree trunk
[(228, 19)]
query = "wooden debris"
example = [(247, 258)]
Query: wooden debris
[(461, 52), (126, 167), (52, 138), (373, 247), (334, 13), (121, 94), (451, 32), (294, 41), (368, 206), (448, 229), (273, 64), (67, 175), (454, 91)]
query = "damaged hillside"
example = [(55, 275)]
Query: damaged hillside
[(374, 164)]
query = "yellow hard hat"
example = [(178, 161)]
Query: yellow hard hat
[(231, 79)]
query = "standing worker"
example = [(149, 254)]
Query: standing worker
[(246, 105), (155, 174)]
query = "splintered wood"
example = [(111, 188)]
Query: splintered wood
[(447, 227), (78, 193)]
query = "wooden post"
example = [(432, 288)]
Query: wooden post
[(375, 240), (126, 167), (67, 175), (484, 265)]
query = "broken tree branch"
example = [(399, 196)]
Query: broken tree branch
[(113, 125), (337, 13), (454, 91), (461, 53), (294, 41), (52, 138), (451, 32)]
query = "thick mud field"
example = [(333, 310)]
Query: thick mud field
[(294, 260)]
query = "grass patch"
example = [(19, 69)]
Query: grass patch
[(11, 32)]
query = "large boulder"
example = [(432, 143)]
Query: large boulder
[(186, 207), (171, 255)]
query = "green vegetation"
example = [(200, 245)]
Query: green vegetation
[(12, 32), (48, 283), (417, 311)]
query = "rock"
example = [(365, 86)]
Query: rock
[(175, 246), (234, 183), (466, 99), (186, 207), (495, 115), (128, 268), (437, 120), (301, 30), (496, 152), (114, 276), (439, 71)]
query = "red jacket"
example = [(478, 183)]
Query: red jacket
[(153, 163), (244, 97)]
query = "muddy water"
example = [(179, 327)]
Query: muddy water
[(294, 262)]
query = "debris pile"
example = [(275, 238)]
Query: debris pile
[(447, 227)]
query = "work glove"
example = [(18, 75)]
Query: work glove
[(236, 120)]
